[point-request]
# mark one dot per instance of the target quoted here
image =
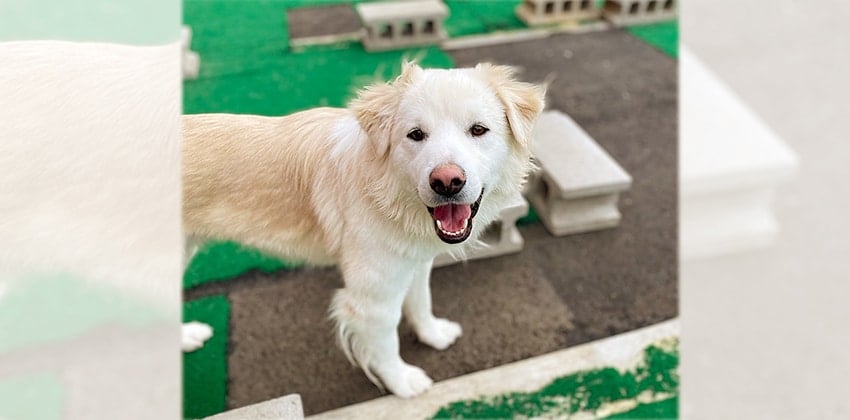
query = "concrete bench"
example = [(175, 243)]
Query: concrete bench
[(501, 238), (578, 185), (401, 24), (635, 12)]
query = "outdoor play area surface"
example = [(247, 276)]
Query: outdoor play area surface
[(270, 317)]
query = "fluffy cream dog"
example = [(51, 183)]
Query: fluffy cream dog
[(409, 170)]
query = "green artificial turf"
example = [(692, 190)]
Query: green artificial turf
[(247, 66), (281, 82), (205, 370), (663, 35), (658, 410), (529, 218), (656, 375), (224, 260), (472, 17)]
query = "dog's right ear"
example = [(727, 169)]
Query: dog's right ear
[(376, 106)]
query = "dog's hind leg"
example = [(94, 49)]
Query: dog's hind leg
[(367, 313), (436, 332)]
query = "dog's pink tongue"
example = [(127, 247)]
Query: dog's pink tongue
[(451, 216)]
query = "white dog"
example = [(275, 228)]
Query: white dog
[(409, 170)]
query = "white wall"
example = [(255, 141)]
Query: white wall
[(90, 242)]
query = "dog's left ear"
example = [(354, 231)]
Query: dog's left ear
[(523, 102)]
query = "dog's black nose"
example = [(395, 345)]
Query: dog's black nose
[(447, 180)]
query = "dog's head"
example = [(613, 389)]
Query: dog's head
[(460, 137)]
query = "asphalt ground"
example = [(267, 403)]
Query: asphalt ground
[(306, 22)]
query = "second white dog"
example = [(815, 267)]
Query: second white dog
[(409, 170)]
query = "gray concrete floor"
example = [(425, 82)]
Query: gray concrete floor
[(765, 333)]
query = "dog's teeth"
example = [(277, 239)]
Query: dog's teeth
[(458, 233)]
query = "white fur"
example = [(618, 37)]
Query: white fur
[(347, 187), (194, 334)]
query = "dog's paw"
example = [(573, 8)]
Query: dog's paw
[(406, 381), (193, 335), (439, 333)]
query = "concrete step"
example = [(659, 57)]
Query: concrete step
[(731, 166), (283, 408), (578, 185)]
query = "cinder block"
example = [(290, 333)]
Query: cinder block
[(546, 12), (579, 183), (400, 24), (501, 238), (635, 12), (283, 408)]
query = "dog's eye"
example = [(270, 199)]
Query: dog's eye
[(416, 135), (478, 130)]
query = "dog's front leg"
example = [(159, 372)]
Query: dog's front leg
[(367, 313), (438, 333)]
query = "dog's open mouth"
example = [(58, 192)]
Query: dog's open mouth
[(453, 222)]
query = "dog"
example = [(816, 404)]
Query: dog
[(412, 168)]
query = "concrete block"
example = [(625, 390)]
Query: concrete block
[(730, 172), (636, 12), (401, 24), (546, 12), (578, 185), (501, 238), (283, 408)]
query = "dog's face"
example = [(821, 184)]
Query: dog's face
[(456, 135)]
